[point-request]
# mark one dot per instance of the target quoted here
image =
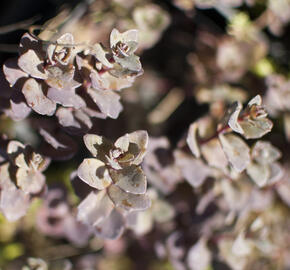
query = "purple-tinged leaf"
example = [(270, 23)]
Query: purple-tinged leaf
[(61, 78), (192, 139), (234, 117), (236, 151), (98, 51), (13, 203), (18, 107), (112, 227), (98, 146), (67, 98), (254, 129), (36, 99), (128, 36), (94, 208), (192, 169), (259, 173), (107, 101), (12, 72), (130, 179), (30, 63), (61, 53), (214, 154), (128, 201), (265, 153), (93, 172), (75, 121)]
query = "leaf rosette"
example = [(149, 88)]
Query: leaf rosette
[(115, 171)]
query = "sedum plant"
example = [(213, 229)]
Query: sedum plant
[(200, 182), (21, 179), (73, 81), (115, 171)]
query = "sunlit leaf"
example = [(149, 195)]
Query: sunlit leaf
[(107, 101), (36, 99), (128, 36), (265, 153), (30, 63), (13, 203), (12, 71), (192, 139), (128, 201), (254, 129), (214, 154), (259, 173), (98, 146), (94, 208), (30, 181), (98, 51), (111, 227), (67, 98), (93, 172), (234, 116), (130, 179), (192, 169), (236, 151)]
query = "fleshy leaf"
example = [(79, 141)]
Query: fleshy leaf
[(132, 62), (140, 139), (30, 63), (233, 118), (18, 107), (12, 71), (192, 169), (128, 201), (276, 173), (257, 100), (214, 154), (192, 139), (259, 173), (94, 208), (130, 179), (112, 227), (254, 129), (30, 181), (67, 98), (61, 78), (76, 121), (98, 146), (141, 222), (265, 153), (100, 54), (36, 99), (93, 172), (236, 151), (61, 53), (13, 203), (128, 36), (98, 82), (123, 143), (107, 101)]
